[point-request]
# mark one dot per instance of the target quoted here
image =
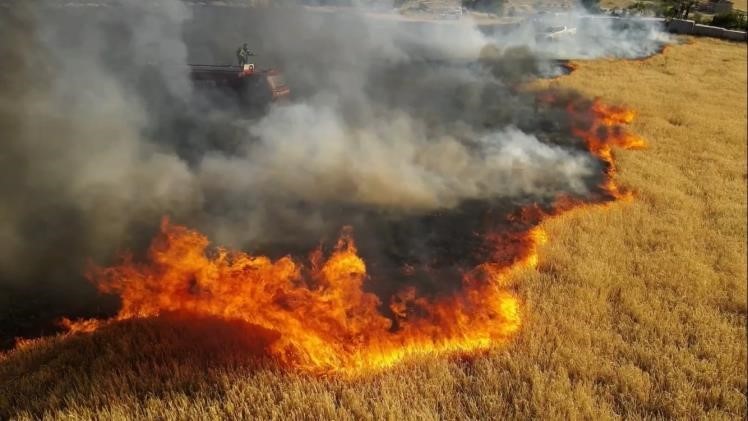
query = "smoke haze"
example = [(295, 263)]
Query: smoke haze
[(102, 132)]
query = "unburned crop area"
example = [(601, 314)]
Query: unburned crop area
[(637, 309)]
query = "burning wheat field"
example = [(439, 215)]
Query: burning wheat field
[(377, 219)]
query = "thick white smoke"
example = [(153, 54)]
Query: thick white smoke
[(585, 36), (307, 151)]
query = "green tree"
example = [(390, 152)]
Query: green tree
[(679, 9), (493, 6), (732, 20), (639, 7)]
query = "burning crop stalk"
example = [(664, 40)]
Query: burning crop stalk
[(326, 322)]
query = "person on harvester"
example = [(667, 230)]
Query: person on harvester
[(243, 54)]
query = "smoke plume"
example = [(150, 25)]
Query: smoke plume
[(102, 132)]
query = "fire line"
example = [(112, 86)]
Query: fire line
[(326, 322)]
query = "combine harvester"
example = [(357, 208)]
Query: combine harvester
[(225, 98), (248, 88)]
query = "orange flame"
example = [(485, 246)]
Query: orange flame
[(601, 127), (325, 320)]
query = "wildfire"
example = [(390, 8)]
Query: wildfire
[(325, 320), (601, 126)]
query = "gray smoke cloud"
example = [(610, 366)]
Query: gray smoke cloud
[(80, 172), (103, 133), (585, 36)]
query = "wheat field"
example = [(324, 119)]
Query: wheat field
[(638, 310)]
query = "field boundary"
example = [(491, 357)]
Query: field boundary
[(690, 27)]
